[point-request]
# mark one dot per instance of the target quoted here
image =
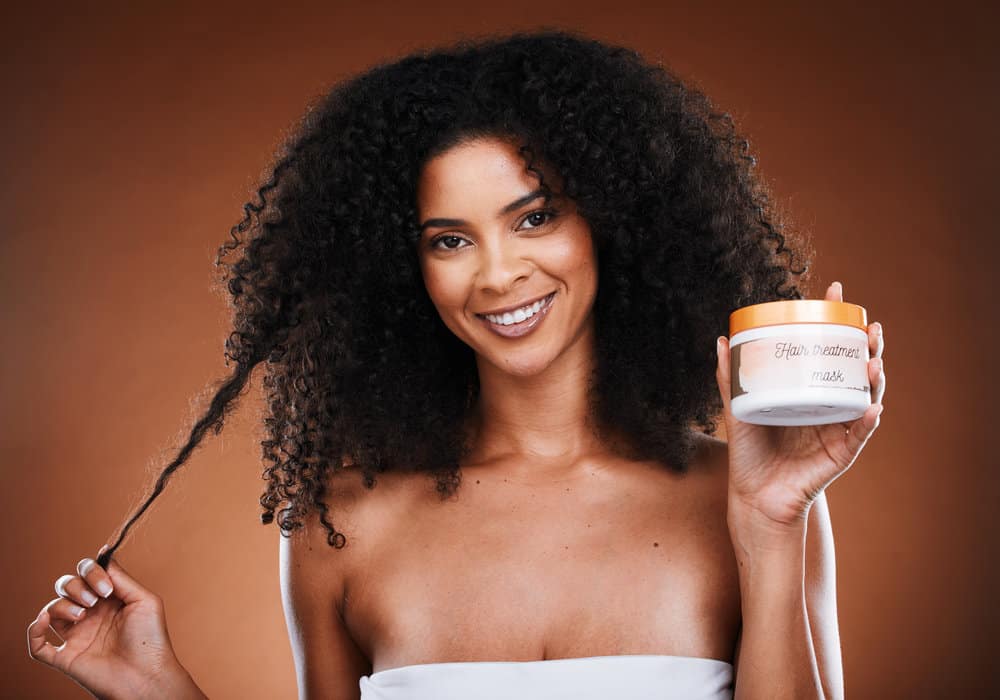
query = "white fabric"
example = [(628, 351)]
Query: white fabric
[(622, 677)]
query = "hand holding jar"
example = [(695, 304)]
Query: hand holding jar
[(802, 384)]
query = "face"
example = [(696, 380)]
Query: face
[(513, 276)]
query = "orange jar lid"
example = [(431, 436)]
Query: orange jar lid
[(774, 313)]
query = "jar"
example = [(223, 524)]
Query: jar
[(799, 362)]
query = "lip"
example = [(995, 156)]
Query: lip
[(516, 330), (511, 309)]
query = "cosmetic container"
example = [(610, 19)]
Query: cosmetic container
[(799, 362)]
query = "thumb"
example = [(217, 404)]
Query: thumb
[(124, 586), (722, 371)]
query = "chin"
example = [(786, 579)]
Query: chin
[(519, 364)]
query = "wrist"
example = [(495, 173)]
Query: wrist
[(173, 682), (754, 531), (770, 557)]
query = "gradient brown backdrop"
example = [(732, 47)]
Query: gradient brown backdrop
[(131, 137)]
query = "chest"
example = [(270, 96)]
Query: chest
[(524, 574)]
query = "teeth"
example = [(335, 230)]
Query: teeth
[(517, 315)]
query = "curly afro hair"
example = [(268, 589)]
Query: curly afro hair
[(324, 279)]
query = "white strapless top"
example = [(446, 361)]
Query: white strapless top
[(621, 677)]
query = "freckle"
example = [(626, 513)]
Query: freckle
[(566, 547), (656, 544), (477, 481)]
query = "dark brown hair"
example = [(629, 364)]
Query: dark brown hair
[(323, 274)]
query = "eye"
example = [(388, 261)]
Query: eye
[(535, 219), (539, 217), (447, 237)]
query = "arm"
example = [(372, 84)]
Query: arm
[(776, 657), (783, 542), (821, 598), (789, 645), (328, 664), (176, 685)]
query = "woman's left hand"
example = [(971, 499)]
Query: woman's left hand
[(778, 471)]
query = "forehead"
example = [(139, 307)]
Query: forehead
[(484, 172)]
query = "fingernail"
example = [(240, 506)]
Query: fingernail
[(75, 610), (718, 346), (878, 328), (89, 598), (104, 588)]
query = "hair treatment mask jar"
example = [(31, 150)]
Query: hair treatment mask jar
[(799, 362)]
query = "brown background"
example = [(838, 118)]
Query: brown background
[(131, 137)]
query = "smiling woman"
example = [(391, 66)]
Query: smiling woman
[(519, 268), (500, 270)]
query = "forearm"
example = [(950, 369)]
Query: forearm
[(184, 688), (777, 658), (174, 684)]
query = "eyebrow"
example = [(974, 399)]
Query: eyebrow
[(513, 206)]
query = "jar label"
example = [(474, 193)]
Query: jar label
[(793, 362)]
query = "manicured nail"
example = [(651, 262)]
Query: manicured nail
[(718, 346), (878, 328), (75, 610), (89, 598), (104, 588)]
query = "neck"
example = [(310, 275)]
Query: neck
[(538, 423)]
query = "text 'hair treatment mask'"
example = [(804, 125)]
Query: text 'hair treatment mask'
[(799, 362)]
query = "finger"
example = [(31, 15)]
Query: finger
[(76, 589), (876, 341), (62, 627), (64, 611), (722, 376), (95, 576), (835, 292), (861, 430), (39, 647), (126, 587), (876, 374)]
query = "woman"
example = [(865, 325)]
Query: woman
[(505, 266)]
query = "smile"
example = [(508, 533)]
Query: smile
[(515, 324)]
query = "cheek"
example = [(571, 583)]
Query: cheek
[(573, 258), (443, 285)]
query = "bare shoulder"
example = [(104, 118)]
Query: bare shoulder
[(315, 579), (314, 571), (357, 514)]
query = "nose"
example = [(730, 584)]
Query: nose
[(501, 267)]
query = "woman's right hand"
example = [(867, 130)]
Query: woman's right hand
[(115, 632)]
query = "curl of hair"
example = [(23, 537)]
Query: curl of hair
[(326, 289)]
